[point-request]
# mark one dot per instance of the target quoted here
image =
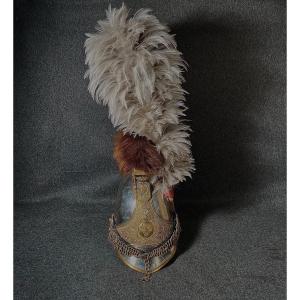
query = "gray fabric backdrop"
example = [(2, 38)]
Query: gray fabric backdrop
[(233, 212)]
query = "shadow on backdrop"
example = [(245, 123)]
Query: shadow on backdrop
[(225, 87)]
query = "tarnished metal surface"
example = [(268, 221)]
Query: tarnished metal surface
[(146, 221)]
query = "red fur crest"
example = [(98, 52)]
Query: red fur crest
[(136, 153)]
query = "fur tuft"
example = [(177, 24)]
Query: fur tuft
[(135, 69), (136, 153)]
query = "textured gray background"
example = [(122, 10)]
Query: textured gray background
[(232, 212)]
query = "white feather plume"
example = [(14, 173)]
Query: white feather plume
[(135, 69)]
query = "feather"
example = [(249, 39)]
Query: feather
[(136, 70)]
